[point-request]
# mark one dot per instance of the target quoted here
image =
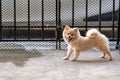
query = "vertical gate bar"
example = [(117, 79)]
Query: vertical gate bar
[(56, 35), (118, 30), (100, 4), (72, 13), (56, 14), (86, 21), (42, 20), (113, 19), (14, 19), (0, 20), (59, 17), (28, 19)]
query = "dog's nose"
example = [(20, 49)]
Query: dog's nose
[(69, 36)]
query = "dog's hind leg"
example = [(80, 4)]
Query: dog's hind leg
[(110, 56), (103, 55), (104, 52)]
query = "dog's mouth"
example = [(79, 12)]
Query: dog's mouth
[(69, 39)]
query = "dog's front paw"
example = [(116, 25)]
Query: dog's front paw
[(72, 60), (102, 56), (110, 58), (65, 58)]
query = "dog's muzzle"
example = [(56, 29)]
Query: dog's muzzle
[(69, 39)]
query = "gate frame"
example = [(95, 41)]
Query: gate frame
[(58, 26)]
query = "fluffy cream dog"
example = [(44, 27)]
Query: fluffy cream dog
[(77, 43)]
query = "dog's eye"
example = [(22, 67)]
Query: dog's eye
[(71, 34), (68, 34)]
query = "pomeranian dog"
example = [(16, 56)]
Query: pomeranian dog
[(77, 43)]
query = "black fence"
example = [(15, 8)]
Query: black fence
[(43, 20)]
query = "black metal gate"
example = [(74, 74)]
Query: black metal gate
[(43, 20)]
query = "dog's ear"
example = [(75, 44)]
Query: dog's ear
[(67, 27), (75, 29)]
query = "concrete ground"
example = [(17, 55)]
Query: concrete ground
[(35, 64)]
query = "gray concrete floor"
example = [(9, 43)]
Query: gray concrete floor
[(35, 64)]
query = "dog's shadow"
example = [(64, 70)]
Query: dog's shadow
[(96, 60), (18, 56)]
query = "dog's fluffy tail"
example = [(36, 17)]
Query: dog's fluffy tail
[(92, 33)]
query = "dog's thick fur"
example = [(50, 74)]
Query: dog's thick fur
[(77, 43)]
